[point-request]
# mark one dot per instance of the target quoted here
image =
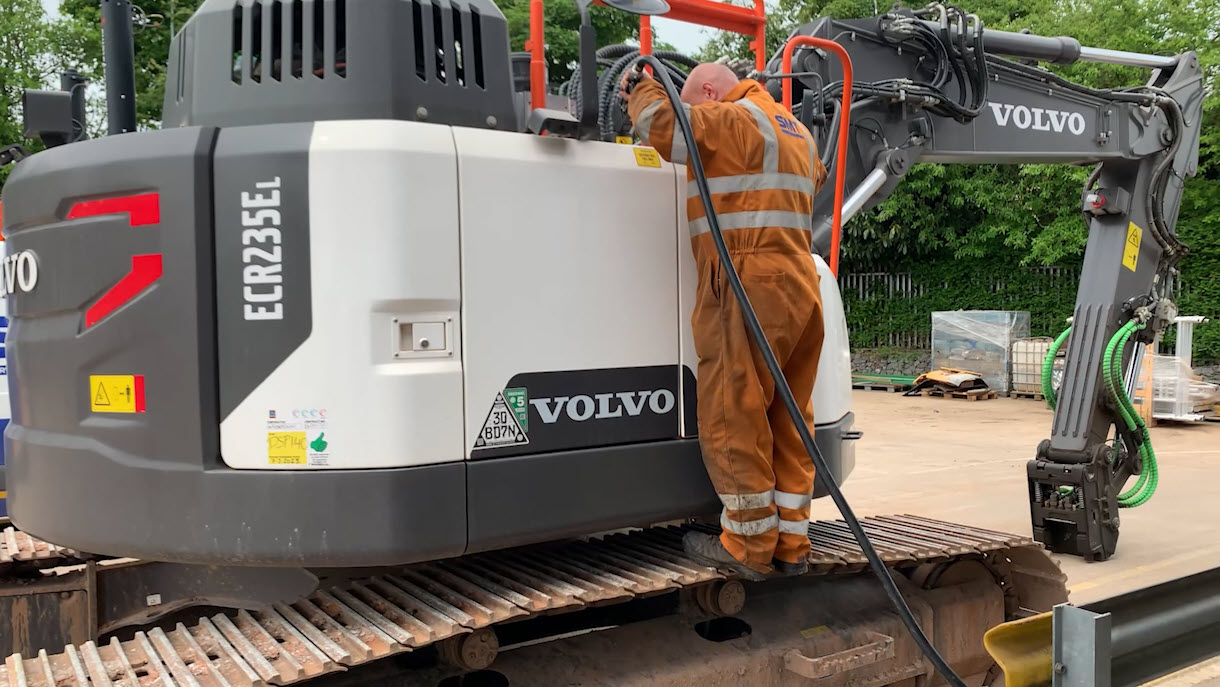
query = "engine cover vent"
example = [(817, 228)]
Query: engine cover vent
[(242, 62)]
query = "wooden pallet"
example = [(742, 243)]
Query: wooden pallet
[(882, 387), (1036, 395), (971, 395)]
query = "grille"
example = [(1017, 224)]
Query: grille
[(278, 40)]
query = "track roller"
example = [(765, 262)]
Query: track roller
[(726, 597), (471, 651)]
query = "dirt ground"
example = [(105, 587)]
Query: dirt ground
[(964, 461)]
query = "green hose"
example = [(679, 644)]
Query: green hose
[(1112, 373), (1146, 486), (1048, 368)]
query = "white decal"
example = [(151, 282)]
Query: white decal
[(501, 428), (1024, 117), (261, 277), (20, 273), (580, 408)]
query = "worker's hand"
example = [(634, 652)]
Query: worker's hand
[(630, 78)]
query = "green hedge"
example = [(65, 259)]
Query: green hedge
[(959, 284), (945, 282)]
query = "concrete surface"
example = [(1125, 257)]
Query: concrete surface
[(964, 461)]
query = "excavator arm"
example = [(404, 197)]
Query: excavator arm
[(935, 86)]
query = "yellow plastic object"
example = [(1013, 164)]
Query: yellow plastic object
[(1023, 649)]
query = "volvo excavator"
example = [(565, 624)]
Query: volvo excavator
[(364, 353)]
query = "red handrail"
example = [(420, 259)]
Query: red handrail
[(713, 13), (836, 231), (537, 48)]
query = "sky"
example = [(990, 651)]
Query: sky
[(687, 38)]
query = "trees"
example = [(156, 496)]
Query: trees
[(23, 46), (77, 42), (563, 31)]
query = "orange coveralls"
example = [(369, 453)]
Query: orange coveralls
[(762, 168)]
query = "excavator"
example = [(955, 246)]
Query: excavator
[(380, 347)]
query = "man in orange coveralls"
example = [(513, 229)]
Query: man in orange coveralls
[(762, 168)]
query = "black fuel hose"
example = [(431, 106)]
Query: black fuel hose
[(785, 393)]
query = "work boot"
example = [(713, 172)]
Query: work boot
[(786, 569), (707, 549)]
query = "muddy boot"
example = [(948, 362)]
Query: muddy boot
[(707, 549), (786, 569)]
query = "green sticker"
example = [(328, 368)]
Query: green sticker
[(519, 401), (319, 444)]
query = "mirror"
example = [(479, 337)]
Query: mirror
[(639, 6)]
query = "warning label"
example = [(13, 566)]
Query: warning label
[(646, 157), (1131, 253), (502, 426), (116, 393)]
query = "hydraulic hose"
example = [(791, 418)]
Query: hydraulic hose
[(1146, 486), (781, 384), (1048, 368)]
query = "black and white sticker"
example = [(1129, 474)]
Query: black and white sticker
[(564, 410), (501, 428)]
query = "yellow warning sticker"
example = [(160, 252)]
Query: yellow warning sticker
[(625, 140), (1131, 254), (116, 393), (647, 157), (811, 632), (286, 448)]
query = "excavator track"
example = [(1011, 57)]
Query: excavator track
[(349, 622), (17, 547)]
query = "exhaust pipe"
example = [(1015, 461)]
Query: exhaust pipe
[(118, 49)]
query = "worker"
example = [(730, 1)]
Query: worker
[(762, 169)]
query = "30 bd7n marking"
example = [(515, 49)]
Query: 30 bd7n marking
[(262, 275)]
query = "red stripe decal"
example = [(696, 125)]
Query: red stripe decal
[(141, 209), (139, 391), (145, 269)]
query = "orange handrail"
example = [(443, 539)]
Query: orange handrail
[(712, 13), (537, 49), (836, 231)]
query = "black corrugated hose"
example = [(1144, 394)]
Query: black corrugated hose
[(785, 393), (615, 59)]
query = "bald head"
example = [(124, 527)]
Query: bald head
[(708, 82)]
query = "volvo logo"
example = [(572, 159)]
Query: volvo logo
[(20, 273), (1037, 118), (602, 406)]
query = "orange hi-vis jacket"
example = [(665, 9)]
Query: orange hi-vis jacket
[(761, 164), (763, 169)]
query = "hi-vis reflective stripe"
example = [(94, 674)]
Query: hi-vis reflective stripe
[(785, 499), (643, 125), (813, 151), (677, 152), (753, 219), (746, 501), (739, 183), (794, 527), (762, 499), (770, 140), (750, 528)]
